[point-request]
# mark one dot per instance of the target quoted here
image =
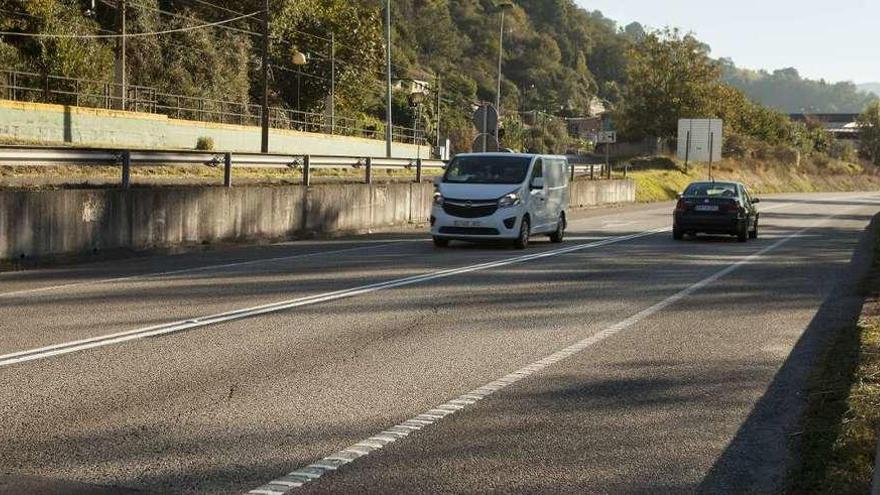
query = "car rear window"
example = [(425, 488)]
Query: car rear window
[(712, 190)]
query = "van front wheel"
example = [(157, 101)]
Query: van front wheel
[(522, 241), (558, 235), (441, 242)]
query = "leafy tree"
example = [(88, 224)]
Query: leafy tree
[(670, 76), (869, 128), (78, 58)]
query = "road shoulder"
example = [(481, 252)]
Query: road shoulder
[(839, 432)]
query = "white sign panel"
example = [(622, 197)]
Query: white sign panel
[(699, 140)]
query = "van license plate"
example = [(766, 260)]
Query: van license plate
[(467, 223), (706, 208)]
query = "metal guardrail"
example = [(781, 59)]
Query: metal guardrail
[(128, 158)]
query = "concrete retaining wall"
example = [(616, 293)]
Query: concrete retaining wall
[(590, 193), (36, 224), (57, 124)]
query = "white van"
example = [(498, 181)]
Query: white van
[(491, 196)]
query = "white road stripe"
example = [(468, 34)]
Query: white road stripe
[(313, 471), (199, 269), (181, 325)]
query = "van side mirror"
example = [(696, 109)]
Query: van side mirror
[(756, 200), (437, 181), (678, 195), (537, 183)]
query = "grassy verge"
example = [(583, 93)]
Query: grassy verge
[(36, 178), (661, 178), (842, 421)]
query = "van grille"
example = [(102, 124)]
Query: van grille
[(468, 230), (469, 209)]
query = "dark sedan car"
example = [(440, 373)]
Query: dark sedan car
[(716, 208)]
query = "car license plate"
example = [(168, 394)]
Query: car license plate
[(706, 208), (467, 223)]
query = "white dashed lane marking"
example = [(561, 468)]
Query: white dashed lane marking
[(331, 463)]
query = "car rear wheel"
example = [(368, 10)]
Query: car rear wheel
[(743, 234), (558, 235), (522, 241), (753, 234), (440, 242), (677, 234)]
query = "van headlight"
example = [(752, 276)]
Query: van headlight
[(508, 200), (438, 199)]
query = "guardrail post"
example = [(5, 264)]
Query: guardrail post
[(625, 169), (419, 169), (571, 170), (368, 173), (592, 171), (126, 169), (227, 169), (307, 170)]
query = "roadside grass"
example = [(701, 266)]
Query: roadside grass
[(841, 424), (70, 176), (663, 182)]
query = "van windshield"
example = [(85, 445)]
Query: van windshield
[(487, 170)]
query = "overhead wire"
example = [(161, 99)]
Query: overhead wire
[(127, 35)]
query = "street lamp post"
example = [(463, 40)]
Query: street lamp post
[(502, 5), (299, 59)]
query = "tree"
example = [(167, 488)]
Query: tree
[(869, 129), (669, 76)]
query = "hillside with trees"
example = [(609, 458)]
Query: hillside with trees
[(785, 90), (558, 58)]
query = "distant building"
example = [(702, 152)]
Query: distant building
[(412, 86), (839, 125)]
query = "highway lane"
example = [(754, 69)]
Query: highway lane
[(226, 408), (45, 307)]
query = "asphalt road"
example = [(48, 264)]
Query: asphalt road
[(618, 362)]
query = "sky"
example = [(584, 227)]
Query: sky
[(838, 40)]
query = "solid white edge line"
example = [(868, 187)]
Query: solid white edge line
[(311, 472), (202, 321)]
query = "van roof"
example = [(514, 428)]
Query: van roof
[(521, 155)]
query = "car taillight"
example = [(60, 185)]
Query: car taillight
[(729, 208), (681, 205)]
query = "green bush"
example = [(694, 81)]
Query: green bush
[(205, 143), (736, 146), (843, 150), (786, 154)]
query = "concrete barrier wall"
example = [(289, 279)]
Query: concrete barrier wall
[(57, 124), (36, 224), (600, 192)]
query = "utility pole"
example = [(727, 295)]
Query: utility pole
[(332, 83), (264, 70), (498, 91), (119, 66), (439, 101), (502, 5), (388, 119)]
